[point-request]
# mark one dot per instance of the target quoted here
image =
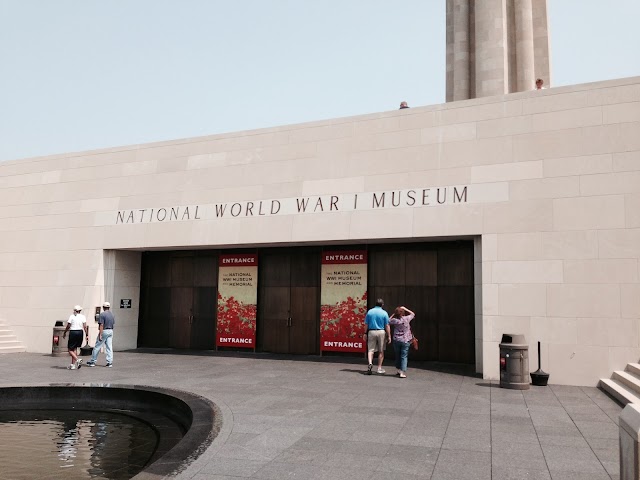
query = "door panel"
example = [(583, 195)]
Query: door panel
[(178, 314), (455, 266), (305, 268), (180, 317), (203, 326), (274, 270), (303, 329), (387, 268), (435, 281), (157, 269), (182, 272), (273, 319), (456, 324), (422, 268), (305, 302), (289, 289), (154, 319), (424, 302), (181, 301), (205, 272), (205, 301)]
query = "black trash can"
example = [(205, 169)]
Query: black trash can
[(514, 362)]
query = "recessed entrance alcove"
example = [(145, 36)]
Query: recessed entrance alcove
[(434, 278), (102, 431)]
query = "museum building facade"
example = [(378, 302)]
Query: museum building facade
[(516, 213)]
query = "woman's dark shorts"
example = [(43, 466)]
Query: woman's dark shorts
[(75, 339)]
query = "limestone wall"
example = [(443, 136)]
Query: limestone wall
[(553, 200)]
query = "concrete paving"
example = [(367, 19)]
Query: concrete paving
[(314, 418)]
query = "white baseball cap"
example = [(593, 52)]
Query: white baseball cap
[(106, 305), (77, 308)]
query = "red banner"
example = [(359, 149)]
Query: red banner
[(237, 299), (343, 301)]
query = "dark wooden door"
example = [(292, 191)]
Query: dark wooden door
[(303, 326), (153, 324), (205, 300), (203, 323), (155, 299), (274, 320), (456, 319), (289, 309), (181, 312), (436, 282), (179, 297), (274, 274), (181, 317), (178, 300)]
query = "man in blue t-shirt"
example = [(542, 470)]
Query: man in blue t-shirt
[(376, 331)]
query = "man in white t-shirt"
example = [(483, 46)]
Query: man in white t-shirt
[(76, 325)]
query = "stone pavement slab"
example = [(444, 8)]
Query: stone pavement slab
[(312, 418)]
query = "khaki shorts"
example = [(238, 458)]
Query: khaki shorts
[(375, 340)]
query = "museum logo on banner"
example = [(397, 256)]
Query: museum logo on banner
[(237, 301), (343, 301)]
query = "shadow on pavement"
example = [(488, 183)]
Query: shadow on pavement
[(450, 368)]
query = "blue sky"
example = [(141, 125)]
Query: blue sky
[(85, 74)]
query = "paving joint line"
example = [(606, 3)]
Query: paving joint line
[(608, 416), (574, 424), (536, 430), (448, 423)]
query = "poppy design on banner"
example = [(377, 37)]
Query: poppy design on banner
[(343, 301), (237, 299)]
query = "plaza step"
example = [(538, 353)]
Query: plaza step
[(8, 341), (624, 386), (17, 349)]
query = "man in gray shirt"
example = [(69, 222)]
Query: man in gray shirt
[(106, 321)]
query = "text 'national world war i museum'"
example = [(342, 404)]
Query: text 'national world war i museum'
[(506, 210)]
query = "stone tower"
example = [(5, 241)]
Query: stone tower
[(496, 47)]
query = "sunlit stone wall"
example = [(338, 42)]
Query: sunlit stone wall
[(548, 184)]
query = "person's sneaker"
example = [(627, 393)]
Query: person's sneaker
[(402, 375), (369, 372), (381, 371), (71, 367), (79, 363), (109, 365), (91, 364)]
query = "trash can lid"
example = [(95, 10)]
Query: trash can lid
[(59, 323), (513, 338)]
